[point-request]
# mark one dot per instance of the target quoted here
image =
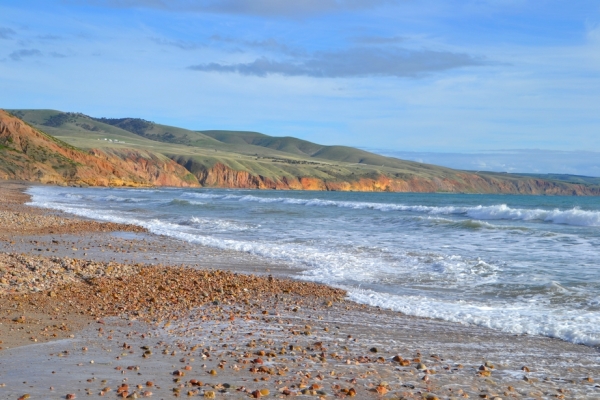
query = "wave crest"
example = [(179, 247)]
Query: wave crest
[(574, 216)]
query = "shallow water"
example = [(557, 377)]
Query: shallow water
[(94, 360), (521, 264)]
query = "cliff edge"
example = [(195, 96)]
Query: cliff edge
[(31, 155)]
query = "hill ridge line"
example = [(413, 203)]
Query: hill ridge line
[(156, 154)]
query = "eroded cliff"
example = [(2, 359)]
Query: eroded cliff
[(31, 155), (220, 175)]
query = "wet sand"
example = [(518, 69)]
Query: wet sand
[(86, 306)]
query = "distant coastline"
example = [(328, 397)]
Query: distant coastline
[(59, 148)]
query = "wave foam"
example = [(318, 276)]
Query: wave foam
[(330, 263), (109, 198), (180, 202), (220, 224), (578, 328), (573, 216)]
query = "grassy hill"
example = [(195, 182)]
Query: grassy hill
[(249, 151), (29, 154), (254, 160)]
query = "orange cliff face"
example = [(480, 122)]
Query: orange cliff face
[(30, 155), (461, 182)]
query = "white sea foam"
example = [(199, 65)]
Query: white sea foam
[(406, 281), (332, 265), (203, 195), (120, 199), (187, 202), (581, 327), (219, 224), (575, 216)]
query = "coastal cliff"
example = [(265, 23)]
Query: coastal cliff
[(222, 176), (131, 152), (31, 155)]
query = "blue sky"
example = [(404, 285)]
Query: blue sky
[(429, 76)]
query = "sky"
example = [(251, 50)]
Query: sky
[(410, 77)]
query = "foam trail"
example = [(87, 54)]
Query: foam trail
[(578, 328), (575, 216), (517, 283)]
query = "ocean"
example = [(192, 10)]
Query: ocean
[(519, 264)]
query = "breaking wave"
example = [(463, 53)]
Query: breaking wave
[(574, 216)]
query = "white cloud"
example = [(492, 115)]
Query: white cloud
[(353, 62)]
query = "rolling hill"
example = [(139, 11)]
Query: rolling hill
[(28, 154), (239, 159)]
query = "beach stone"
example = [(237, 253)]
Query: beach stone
[(381, 390)]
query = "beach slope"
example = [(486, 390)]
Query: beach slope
[(104, 322)]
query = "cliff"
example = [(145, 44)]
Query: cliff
[(31, 155), (220, 175), (141, 153)]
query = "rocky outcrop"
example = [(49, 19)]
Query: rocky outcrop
[(222, 176), (31, 155)]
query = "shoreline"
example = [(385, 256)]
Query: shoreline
[(101, 273)]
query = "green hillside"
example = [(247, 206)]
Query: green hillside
[(194, 148), (286, 144), (254, 143), (248, 151), (274, 162)]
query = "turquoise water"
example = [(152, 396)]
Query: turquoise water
[(522, 264)]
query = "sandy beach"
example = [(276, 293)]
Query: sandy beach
[(92, 308)]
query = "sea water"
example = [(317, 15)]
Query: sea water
[(520, 264)]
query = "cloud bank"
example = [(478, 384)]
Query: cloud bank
[(289, 8), (6, 33), (18, 55), (355, 62)]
